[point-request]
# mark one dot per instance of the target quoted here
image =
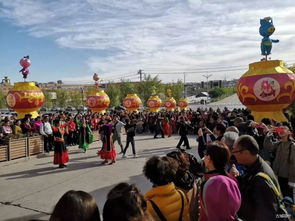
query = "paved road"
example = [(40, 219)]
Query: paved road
[(230, 102), (30, 188)]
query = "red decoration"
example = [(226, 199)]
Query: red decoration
[(25, 98), (132, 102), (267, 88), (98, 101)]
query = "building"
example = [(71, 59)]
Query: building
[(5, 85)]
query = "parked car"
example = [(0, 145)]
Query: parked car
[(55, 109), (43, 109), (82, 108), (70, 108)]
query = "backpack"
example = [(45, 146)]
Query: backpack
[(281, 213)]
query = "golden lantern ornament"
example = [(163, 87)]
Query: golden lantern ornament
[(97, 100), (266, 89), (170, 103), (182, 103), (132, 102), (154, 103), (25, 97), (268, 86)]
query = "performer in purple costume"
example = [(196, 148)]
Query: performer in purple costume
[(108, 150)]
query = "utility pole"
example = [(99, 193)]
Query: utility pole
[(140, 75), (207, 77)]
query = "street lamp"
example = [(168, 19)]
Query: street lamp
[(207, 77)]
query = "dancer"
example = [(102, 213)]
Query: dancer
[(130, 130), (117, 131), (166, 125), (86, 136), (183, 131), (60, 151), (159, 127), (108, 151)]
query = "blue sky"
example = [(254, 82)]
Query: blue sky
[(69, 40)]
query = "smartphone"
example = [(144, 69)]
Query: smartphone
[(260, 126), (279, 130)]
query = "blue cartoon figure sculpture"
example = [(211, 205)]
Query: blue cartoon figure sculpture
[(266, 29)]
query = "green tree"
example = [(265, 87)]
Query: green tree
[(75, 98), (2, 99), (216, 92), (144, 88), (113, 91), (292, 68), (61, 98), (176, 88), (126, 87), (48, 101)]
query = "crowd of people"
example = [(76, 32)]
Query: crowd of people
[(246, 171)]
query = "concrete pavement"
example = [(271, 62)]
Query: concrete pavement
[(29, 189)]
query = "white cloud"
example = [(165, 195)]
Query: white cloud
[(161, 34)]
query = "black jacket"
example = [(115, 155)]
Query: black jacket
[(258, 199)]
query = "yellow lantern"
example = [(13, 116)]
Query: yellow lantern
[(266, 89), (170, 102), (132, 102), (182, 103), (97, 100), (154, 103), (25, 98)]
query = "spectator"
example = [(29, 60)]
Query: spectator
[(186, 181), (46, 131), (6, 128), (164, 200), (26, 126), (75, 206), (125, 203), (259, 203), (17, 130), (37, 125), (220, 195), (284, 161)]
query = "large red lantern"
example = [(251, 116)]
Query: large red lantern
[(267, 88), (98, 101), (25, 98), (170, 104), (182, 103), (154, 103), (132, 102)]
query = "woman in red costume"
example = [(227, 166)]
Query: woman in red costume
[(166, 126), (108, 149), (60, 151)]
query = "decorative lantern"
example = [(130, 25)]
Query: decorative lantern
[(267, 88), (154, 103), (170, 102), (25, 98), (132, 102), (182, 103), (97, 100)]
